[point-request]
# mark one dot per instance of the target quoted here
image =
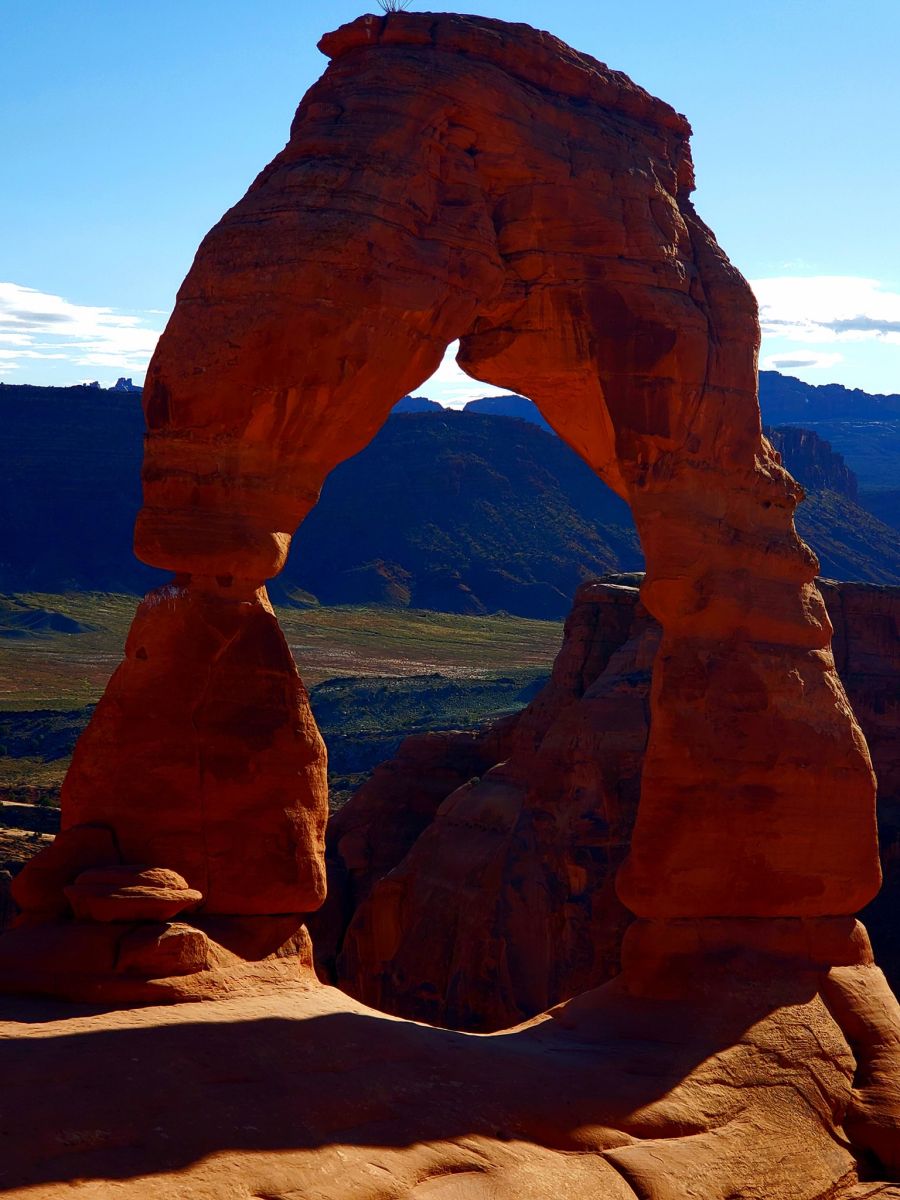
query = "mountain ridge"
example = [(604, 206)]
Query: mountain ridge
[(444, 509)]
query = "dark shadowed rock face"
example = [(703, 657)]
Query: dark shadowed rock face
[(528, 819), (477, 870)]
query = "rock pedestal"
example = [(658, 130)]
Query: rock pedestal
[(198, 790)]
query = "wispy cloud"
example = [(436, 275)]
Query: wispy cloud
[(794, 362), (828, 308), (38, 325)]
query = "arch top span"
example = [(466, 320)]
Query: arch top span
[(450, 178), (531, 55)]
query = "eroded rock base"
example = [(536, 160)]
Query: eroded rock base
[(739, 1081), (166, 962), (96, 929)]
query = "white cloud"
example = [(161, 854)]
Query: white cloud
[(452, 387), (799, 359), (38, 325), (828, 308)]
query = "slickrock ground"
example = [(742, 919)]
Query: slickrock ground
[(725, 1087)]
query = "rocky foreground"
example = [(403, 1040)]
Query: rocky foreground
[(722, 1084)]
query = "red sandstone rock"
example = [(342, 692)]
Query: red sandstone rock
[(62, 953), (39, 888), (868, 1014), (557, 240), (118, 965), (737, 1083), (505, 904), (368, 837), (125, 893), (537, 206), (161, 951), (430, 974), (203, 755)]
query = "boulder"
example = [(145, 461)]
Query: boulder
[(161, 951), (127, 893)]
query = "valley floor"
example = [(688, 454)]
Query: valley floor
[(374, 674)]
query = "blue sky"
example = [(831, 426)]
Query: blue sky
[(130, 127)]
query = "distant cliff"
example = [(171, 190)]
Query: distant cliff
[(786, 400), (812, 461)]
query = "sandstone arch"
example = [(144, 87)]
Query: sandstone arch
[(454, 178)]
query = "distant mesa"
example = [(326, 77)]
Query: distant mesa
[(787, 400), (416, 404), (125, 385), (509, 406)]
